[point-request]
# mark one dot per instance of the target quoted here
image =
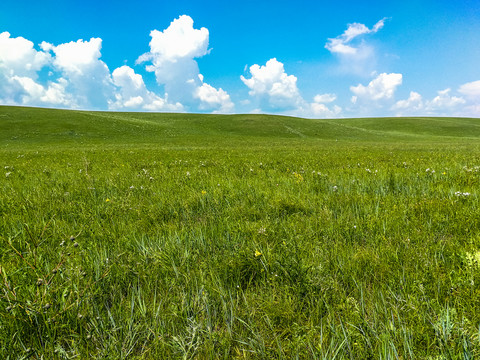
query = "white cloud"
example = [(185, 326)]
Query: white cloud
[(277, 92), (444, 104), (471, 89), (413, 105), (380, 88), (444, 101), (325, 98), (271, 84), (133, 94), (355, 56), (341, 44), (179, 41), (172, 54), (212, 98), (323, 111), (88, 77), (472, 92), (18, 57)]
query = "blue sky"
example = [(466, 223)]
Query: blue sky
[(304, 58)]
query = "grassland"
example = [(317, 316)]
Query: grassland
[(157, 236)]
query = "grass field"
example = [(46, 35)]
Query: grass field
[(158, 236)]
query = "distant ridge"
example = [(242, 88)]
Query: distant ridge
[(25, 127)]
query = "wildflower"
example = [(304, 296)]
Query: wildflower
[(262, 231), (298, 177), (108, 200), (204, 192), (335, 188), (8, 174), (188, 173), (257, 253)]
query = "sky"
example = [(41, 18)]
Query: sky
[(314, 59)]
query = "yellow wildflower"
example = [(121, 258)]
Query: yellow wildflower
[(204, 192), (257, 253)]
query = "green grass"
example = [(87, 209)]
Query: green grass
[(243, 236)]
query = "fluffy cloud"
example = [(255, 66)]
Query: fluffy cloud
[(271, 84), (172, 54), (444, 101), (441, 105), (133, 94), (78, 78), (19, 66), (382, 87), (320, 110), (471, 89), (355, 55), (277, 92), (18, 57), (325, 98), (211, 98), (413, 105), (88, 77), (343, 44)]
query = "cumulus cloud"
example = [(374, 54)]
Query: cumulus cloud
[(444, 104), (277, 92), (172, 56), (18, 57), (211, 98), (88, 77), (471, 90), (19, 66), (355, 55), (444, 101), (320, 110), (380, 88), (133, 94), (413, 105), (273, 86), (79, 78), (325, 98)]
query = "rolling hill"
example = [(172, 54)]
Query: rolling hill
[(26, 127)]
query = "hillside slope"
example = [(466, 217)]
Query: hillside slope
[(43, 127)]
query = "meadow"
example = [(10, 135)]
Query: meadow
[(183, 236)]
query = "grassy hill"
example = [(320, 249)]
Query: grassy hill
[(42, 127), (184, 236)]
